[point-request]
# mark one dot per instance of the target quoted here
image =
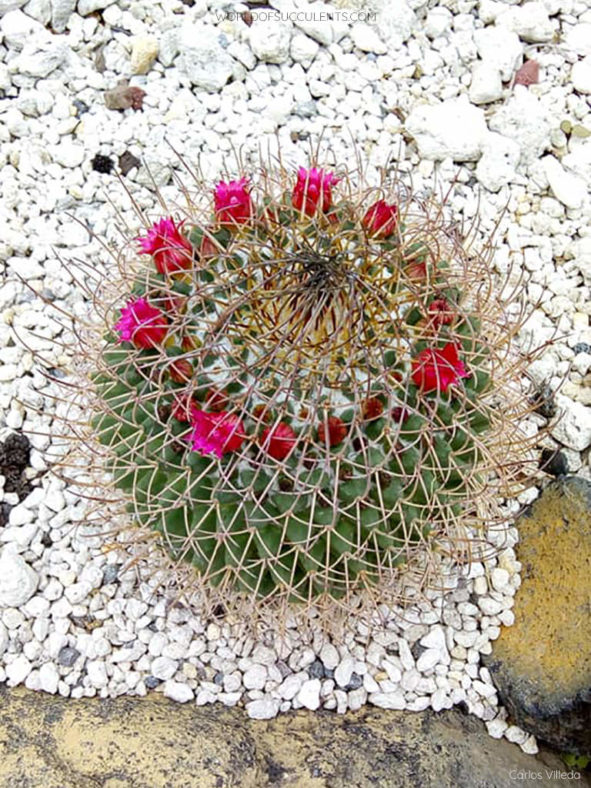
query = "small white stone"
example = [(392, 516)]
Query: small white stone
[(263, 709), (366, 39), (437, 22), (329, 656), (515, 734), (309, 694), (18, 581), (489, 606), (499, 48), (429, 659), (270, 41), (255, 677), (97, 673), (164, 668), (566, 187), (174, 690), (388, 700), (499, 579), (530, 746), (406, 657), (496, 728), (486, 85), (344, 671), (48, 677), (18, 670)]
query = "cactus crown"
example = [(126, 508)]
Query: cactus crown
[(306, 388)]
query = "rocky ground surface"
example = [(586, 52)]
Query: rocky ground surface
[(49, 742), (494, 95)]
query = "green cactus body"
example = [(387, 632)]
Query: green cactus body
[(314, 407)]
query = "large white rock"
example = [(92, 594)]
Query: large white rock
[(486, 84), (18, 580), (500, 157), (500, 48), (203, 59), (581, 75), (16, 29), (524, 119), (452, 129), (270, 41), (566, 187)]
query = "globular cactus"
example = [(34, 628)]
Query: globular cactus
[(307, 387)]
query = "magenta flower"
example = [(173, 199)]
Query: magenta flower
[(141, 324), (380, 219), (437, 370), (215, 433), (167, 245), (313, 188), (233, 204)]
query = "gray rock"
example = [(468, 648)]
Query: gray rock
[(67, 656)]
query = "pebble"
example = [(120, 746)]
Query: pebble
[(486, 85), (48, 678), (164, 668), (566, 187), (309, 694), (175, 690), (270, 41), (263, 709), (144, 51), (18, 580)]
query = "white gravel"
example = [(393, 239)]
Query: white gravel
[(70, 622)]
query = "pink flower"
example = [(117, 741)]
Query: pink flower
[(141, 324), (232, 202), (313, 187), (380, 219), (278, 441), (216, 433), (437, 370), (168, 246)]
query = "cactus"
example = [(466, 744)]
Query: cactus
[(306, 388)]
